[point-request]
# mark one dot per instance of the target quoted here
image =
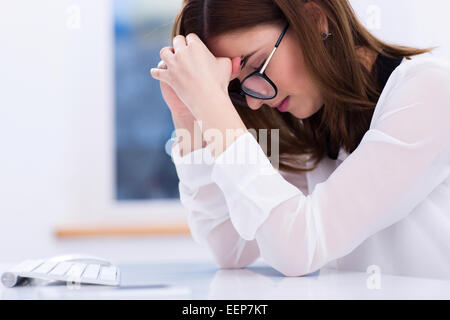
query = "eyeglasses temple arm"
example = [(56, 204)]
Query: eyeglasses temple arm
[(267, 61), (274, 49)]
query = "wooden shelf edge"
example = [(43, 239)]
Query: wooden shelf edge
[(64, 232)]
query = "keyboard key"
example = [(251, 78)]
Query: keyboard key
[(27, 266), (91, 272), (45, 267), (76, 271), (108, 273), (61, 269)]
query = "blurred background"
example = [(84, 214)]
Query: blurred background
[(83, 126)]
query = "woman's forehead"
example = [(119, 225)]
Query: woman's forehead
[(242, 42)]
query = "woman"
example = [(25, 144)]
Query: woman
[(364, 141)]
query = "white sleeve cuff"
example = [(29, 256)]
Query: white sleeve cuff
[(251, 185), (193, 169)]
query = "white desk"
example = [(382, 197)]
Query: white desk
[(203, 280)]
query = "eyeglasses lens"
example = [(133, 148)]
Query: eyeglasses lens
[(258, 87)]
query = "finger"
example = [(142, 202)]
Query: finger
[(160, 74), (162, 65), (166, 54), (179, 42), (192, 37), (235, 67)]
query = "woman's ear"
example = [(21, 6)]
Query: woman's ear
[(318, 16)]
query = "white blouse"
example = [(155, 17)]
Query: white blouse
[(386, 204)]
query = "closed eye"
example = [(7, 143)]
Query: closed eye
[(244, 63), (260, 67)]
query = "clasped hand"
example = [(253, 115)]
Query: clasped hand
[(196, 76)]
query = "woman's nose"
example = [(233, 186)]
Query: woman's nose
[(254, 103)]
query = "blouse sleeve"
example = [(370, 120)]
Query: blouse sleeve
[(208, 217), (400, 160)]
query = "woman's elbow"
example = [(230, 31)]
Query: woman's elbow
[(225, 260), (225, 263), (294, 271), (289, 265)]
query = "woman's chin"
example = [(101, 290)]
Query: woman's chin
[(304, 112), (301, 114)]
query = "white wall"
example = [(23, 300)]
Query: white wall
[(33, 185), (56, 113), (408, 22)]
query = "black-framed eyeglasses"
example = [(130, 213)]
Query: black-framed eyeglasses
[(257, 84)]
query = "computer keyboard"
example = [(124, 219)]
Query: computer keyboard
[(69, 268)]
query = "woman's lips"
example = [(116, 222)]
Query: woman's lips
[(284, 105)]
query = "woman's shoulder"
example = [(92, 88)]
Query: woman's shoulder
[(423, 79), (413, 71), (422, 65)]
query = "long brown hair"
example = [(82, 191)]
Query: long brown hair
[(349, 89)]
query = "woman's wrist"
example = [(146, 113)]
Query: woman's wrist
[(188, 133), (220, 122)]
